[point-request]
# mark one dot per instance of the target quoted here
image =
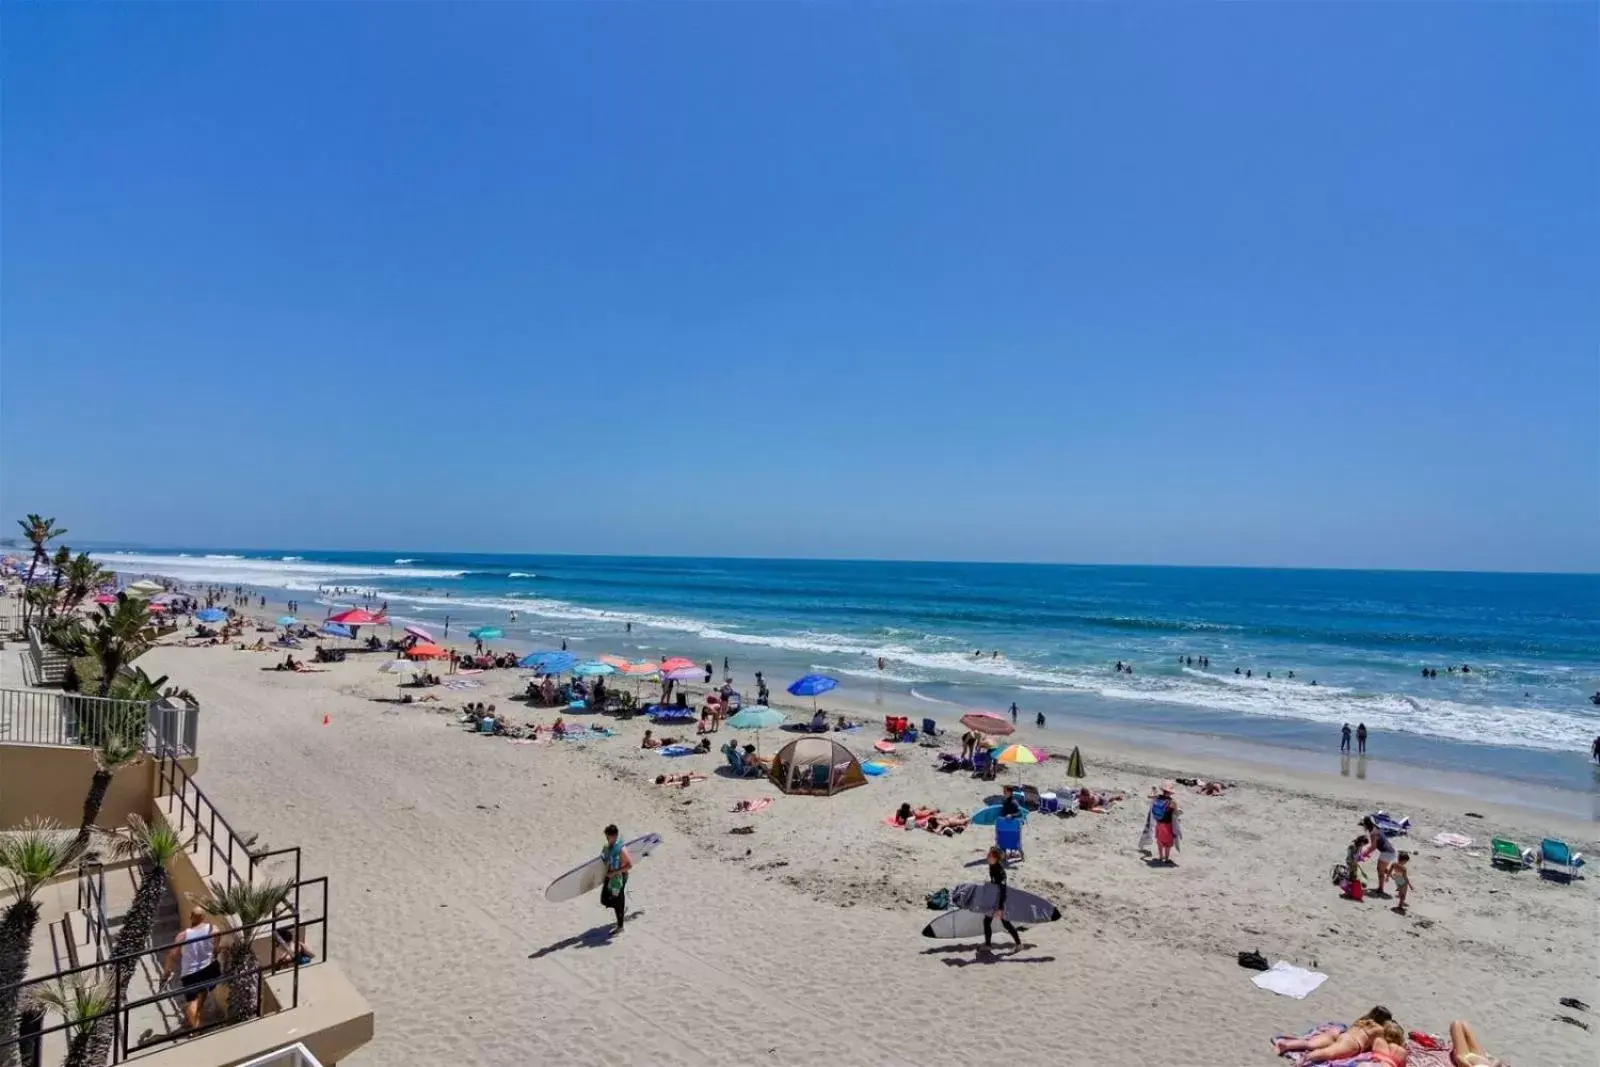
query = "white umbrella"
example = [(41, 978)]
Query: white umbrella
[(403, 666)]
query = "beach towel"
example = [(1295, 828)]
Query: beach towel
[(676, 750), (1287, 980), (1452, 840), (758, 804), (1148, 838)]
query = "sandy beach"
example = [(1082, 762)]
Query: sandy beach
[(801, 938)]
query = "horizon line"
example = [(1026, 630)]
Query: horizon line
[(867, 559)]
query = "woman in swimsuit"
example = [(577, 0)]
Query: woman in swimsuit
[(1383, 847), (1465, 1051), (1357, 1039), (1389, 1045)]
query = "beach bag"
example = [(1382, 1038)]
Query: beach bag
[(1253, 960), (939, 900), (1158, 810)]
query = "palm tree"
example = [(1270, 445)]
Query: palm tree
[(81, 1000), (155, 846), (84, 575), (39, 532), (249, 905), (122, 632), (114, 752), (29, 858), (140, 687), (63, 559)]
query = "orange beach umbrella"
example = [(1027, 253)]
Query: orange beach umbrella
[(426, 652)]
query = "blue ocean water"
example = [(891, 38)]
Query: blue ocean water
[(1532, 641)]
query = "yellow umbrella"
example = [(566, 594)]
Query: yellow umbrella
[(1018, 754)]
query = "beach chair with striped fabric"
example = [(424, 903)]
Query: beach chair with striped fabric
[(1505, 854), (1557, 860)]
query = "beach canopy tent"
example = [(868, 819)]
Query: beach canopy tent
[(144, 590), (818, 766)]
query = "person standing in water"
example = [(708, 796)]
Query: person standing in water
[(1344, 738), (614, 892), (997, 875), (1013, 713), (1361, 739)]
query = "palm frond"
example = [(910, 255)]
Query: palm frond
[(80, 999), (140, 840), (33, 855), (250, 903)]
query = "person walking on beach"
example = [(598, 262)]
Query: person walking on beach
[(614, 893), (1161, 823), (997, 875), (1013, 713), (1344, 738), (1380, 843), (1361, 739), (1038, 720)]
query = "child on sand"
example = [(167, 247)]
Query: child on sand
[(1402, 880)]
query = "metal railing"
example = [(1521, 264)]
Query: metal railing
[(284, 934), (49, 664), (92, 902), (192, 808), (43, 717)]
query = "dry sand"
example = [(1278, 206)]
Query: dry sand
[(800, 942)]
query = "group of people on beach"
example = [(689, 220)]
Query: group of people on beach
[(1377, 1038)]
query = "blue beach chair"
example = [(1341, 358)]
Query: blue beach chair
[(1558, 861), (1008, 836)]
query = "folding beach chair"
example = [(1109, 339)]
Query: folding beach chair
[(1506, 854), (1558, 861)]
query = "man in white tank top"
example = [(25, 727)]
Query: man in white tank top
[(194, 956)]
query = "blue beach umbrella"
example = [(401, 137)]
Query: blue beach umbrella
[(549, 662), (593, 669), (336, 629), (287, 620), (811, 685), (211, 614), (486, 633)]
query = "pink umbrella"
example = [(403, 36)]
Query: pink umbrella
[(677, 662), (615, 661), (105, 598), (356, 617), (684, 674), (419, 632)]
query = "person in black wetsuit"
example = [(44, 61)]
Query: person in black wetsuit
[(997, 875)]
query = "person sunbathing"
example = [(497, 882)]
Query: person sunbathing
[(1465, 1051), (1097, 802), (649, 742), (1210, 789), (680, 780), (1389, 1045), (1331, 1045), (948, 825), (560, 728)]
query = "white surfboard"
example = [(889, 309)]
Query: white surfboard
[(973, 902), (587, 877)]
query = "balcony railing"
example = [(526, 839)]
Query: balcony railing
[(284, 934), (43, 717)]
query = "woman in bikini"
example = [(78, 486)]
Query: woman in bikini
[(1389, 1045), (1337, 1044), (1465, 1051)]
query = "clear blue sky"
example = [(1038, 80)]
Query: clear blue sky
[(1259, 284)]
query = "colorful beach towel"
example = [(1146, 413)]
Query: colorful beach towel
[(676, 750), (1452, 840)]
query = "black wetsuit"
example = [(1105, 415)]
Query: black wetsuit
[(997, 875)]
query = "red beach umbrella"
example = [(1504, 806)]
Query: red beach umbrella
[(356, 617), (427, 652)]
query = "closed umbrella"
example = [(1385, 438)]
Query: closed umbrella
[(211, 615), (987, 723), (419, 633), (1075, 764)]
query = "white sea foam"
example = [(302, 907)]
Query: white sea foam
[(272, 573), (521, 574), (223, 556), (403, 562), (291, 559)]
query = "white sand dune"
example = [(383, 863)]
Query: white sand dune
[(800, 942)]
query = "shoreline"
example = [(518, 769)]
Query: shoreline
[(1572, 801)]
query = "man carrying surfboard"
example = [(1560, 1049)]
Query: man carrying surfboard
[(614, 893)]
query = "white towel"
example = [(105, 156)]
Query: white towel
[(1289, 980), (1452, 840)]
